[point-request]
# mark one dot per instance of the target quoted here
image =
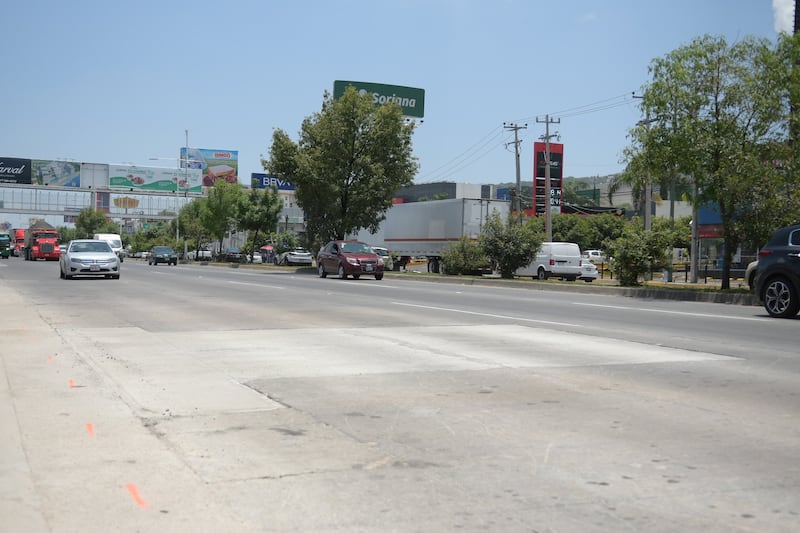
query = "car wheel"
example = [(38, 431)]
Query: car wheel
[(780, 298), (378, 277), (342, 273), (542, 274), (322, 272), (61, 274), (356, 276), (115, 276)]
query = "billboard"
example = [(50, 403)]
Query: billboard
[(410, 99), (14, 170), (158, 179), (540, 196), (266, 181), (213, 164), (56, 173)]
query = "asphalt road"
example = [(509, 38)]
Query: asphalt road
[(200, 398)]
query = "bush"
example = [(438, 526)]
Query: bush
[(464, 257), (511, 245), (638, 252)]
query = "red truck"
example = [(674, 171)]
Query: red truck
[(41, 242), (19, 242)]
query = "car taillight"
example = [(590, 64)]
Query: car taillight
[(552, 261), (764, 252)]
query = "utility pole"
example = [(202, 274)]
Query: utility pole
[(648, 185), (548, 217), (517, 203)]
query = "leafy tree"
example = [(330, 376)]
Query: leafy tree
[(222, 209), (350, 160), (258, 212), (89, 221), (638, 252), (718, 116), (191, 217), (511, 245)]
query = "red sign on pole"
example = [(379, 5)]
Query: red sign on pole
[(540, 196)]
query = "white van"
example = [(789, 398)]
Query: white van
[(556, 259), (114, 240)]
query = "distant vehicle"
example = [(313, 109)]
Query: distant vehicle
[(89, 257), (778, 274), (162, 254), (388, 262), (555, 259), (595, 256), (428, 229), (5, 245), (115, 241), (41, 242), (232, 255), (200, 255), (588, 271), (298, 256), (349, 258)]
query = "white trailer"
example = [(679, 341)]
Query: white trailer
[(428, 228)]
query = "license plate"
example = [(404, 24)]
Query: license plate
[(368, 268), (94, 268)]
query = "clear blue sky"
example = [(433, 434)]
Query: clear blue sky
[(116, 81)]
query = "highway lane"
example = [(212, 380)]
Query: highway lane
[(264, 400)]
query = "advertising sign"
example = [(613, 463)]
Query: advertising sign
[(540, 196), (214, 164), (14, 170), (56, 173), (266, 181), (154, 179), (410, 99)]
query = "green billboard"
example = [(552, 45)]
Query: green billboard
[(410, 99)]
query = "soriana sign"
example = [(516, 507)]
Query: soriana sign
[(410, 99), (542, 197)]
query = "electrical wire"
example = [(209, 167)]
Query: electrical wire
[(494, 138)]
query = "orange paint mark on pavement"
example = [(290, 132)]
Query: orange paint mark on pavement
[(90, 429), (49, 357), (135, 493), (71, 384)]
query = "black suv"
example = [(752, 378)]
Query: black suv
[(162, 254), (778, 276)]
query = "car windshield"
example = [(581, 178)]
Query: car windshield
[(89, 247), (356, 248), (162, 250)]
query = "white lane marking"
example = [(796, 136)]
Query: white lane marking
[(664, 311), (490, 315), (260, 285)]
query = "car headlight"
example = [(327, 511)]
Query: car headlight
[(352, 260), (380, 260)]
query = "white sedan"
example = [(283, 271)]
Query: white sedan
[(298, 256), (588, 271), (89, 257)]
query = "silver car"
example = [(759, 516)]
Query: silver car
[(89, 257)]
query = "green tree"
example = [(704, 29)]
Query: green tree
[(191, 222), (351, 159), (511, 245), (89, 221), (222, 209), (258, 212), (718, 114), (638, 252)]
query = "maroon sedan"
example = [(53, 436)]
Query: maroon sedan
[(349, 258)]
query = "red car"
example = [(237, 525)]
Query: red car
[(349, 258)]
